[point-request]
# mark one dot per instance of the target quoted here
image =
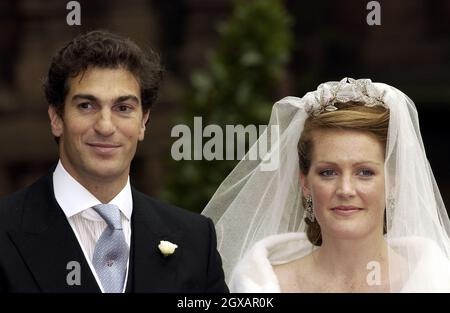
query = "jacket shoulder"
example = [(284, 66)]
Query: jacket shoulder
[(165, 207), (169, 211), (11, 205)]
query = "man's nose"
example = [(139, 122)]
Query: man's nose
[(104, 125)]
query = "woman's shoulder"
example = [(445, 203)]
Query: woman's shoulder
[(255, 271), (425, 264)]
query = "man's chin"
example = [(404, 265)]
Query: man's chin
[(105, 171)]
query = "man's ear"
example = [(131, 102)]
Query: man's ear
[(56, 122), (304, 184), (144, 122)]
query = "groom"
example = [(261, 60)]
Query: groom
[(83, 227)]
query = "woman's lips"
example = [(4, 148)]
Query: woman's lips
[(345, 210)]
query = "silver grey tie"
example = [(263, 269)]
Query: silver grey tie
[(111, 251)]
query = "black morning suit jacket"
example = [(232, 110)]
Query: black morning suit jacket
[(37, 242)]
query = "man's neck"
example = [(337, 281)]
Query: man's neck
[(104, 189)]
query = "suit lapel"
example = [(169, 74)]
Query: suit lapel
[(48, 245), (149, 270)]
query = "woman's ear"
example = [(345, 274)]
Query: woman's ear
[(304, 184)]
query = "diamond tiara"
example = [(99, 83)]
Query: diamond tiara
[(346, 90)]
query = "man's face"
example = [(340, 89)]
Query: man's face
[(101, 125)]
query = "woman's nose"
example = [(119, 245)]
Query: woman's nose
[(346, 186)]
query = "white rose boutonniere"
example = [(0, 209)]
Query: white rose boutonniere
[(166, 247)]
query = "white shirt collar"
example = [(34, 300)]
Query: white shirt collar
[(73, 198)]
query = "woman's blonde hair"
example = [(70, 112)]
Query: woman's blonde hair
[(349, 116)]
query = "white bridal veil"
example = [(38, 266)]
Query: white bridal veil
[(262, 196)]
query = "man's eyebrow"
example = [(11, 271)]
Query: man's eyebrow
[(83, 96), (93, 98), (127, 97)]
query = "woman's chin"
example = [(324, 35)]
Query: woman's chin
[(349, 233)]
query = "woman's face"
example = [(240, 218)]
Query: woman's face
[(346, 182)]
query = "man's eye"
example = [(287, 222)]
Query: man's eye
[(85, 105), (327, 173), (123, 108)]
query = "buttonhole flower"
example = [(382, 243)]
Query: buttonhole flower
[(166, 247)]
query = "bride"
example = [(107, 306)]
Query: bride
[(351, 205)]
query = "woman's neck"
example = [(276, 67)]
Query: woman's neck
[(354, 263)]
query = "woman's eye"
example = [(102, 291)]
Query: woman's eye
[(366, 172), (327, 173)]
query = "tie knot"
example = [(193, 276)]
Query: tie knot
[(110, 213)]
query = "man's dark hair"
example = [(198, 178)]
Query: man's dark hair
[(104, 50)]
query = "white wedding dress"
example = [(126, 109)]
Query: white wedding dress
[(259, 214), (255, 274)]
